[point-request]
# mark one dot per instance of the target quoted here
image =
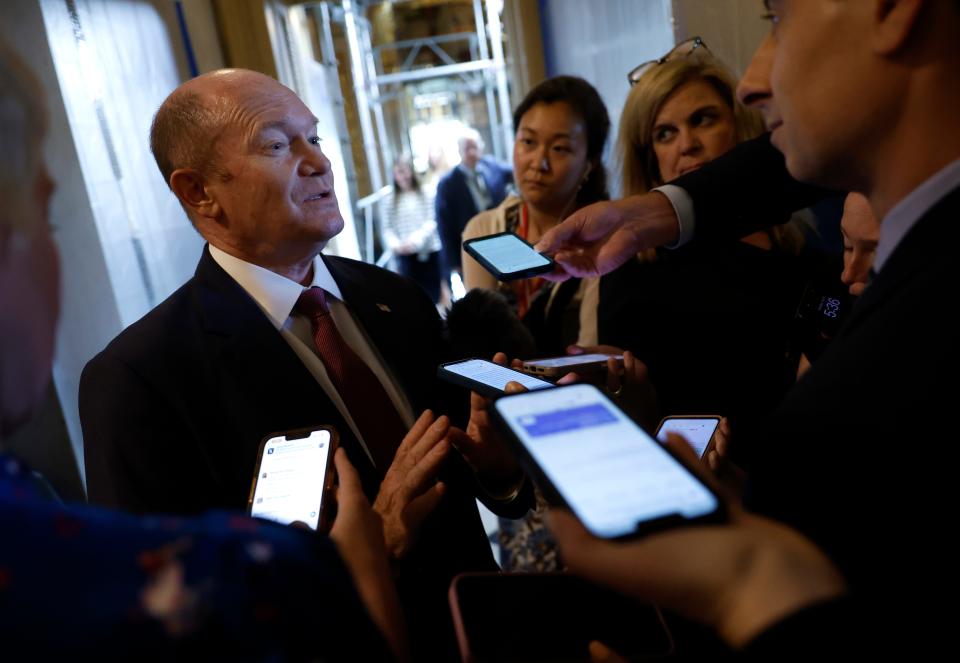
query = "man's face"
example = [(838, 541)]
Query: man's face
[(277, 203), (861, 233), (470, 152), (814, 80)]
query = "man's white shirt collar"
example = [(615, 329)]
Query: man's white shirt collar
[(276, 295), (905, 214)]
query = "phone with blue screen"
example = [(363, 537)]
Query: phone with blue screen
[(587, 455), (507, 256)]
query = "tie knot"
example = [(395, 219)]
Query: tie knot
[(312, 302)]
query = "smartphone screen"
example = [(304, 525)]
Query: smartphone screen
[(291, 479), (612, 474), (509, 254), (697, 431), (494, 375)]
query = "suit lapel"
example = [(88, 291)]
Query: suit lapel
[(264, 385)]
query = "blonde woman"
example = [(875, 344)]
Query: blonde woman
[(711, 323)]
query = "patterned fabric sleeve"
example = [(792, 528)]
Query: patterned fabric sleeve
[(78, 580)]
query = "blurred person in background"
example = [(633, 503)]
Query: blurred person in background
[(476, 184), (410, 231)]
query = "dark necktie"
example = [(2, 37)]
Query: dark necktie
[(485, 199), (370, 407)]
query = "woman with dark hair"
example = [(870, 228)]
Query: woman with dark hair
[(409, 229), (561, 128)]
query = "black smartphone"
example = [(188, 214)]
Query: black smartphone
[(294, 474), (557, 367), (533, 617), (507, 256), (486, 378), (587, 455), (697, 429)]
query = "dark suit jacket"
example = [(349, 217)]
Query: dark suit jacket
[(861, 455), (455, 206), (174, 409)]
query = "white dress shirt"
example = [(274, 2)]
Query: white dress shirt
[(276, 296)]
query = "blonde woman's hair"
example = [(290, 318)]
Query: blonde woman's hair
[(635, 139), (22, 126), (638, 160)]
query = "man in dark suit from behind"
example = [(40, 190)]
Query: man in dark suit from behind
[(476, 184), (174, 409)]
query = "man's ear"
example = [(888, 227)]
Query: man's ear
[(894, 21), (191, 188)]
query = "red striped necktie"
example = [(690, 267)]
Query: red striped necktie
[(369, 405)]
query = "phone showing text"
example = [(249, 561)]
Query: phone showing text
[(293, 472), (697, 430), (487, 378), (507, 256), (585, 453)]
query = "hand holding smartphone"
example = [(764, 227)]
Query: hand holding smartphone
[(697, 429), (587, 455), (507, 256), (293, 476)]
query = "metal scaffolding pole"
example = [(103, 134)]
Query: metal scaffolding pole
[(499, 147), (494, 8), (366, 127)]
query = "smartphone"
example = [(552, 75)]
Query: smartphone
[(532, 617), (486, 378), (587, 455), (507, 256), (294, 474), (698, 429), (560, 366)]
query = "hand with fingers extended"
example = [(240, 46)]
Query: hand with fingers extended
[(598, 238), (627, 383), (740, 577), (483, 448), (409, 491), (358, 533)]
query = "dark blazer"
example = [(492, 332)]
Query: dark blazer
[(174, 409), (455, 206), (861, 455)]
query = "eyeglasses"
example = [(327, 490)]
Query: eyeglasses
[(682, 50)]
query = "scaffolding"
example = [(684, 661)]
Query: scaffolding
[(373, 87)]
